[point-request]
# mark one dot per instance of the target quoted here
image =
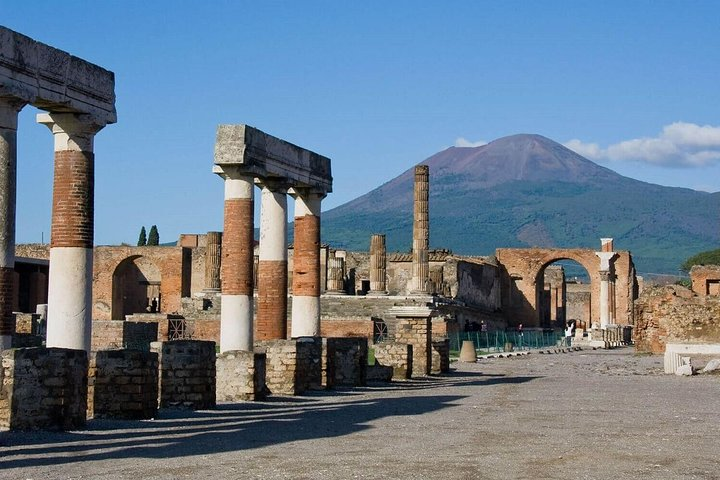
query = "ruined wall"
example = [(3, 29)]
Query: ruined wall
[(398, 356), (346, 361), (674, 314), (292, 366), (578, 298), (705, 279), (168, 260), (240, 376), (187, 374), (478, 285), (114, 334)]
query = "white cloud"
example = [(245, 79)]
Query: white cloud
[(679, 144), (461, 142)]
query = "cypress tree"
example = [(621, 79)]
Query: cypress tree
[(142, 241), (153, 236)]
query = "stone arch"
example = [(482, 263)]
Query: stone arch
[(552, 303), (136, 285)]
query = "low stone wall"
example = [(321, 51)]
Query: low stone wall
[(187, 373), (673, 314), (347, 360), (351, 327), (417, 332), (293, 366), (123, 384), (240, 376), (117, 334), (440, 355), (43, 388), (399, 356)]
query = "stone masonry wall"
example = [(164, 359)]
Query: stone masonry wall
[(123, 384), (705, 279), (673, 314), (187, 373), (115, 334), (417, 332), (293, 366), (399, 356), (347, 360), (43, 388), (440, 355), (240, 376)]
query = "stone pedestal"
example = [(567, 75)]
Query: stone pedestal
[(346, 361), (123, 384), (292, 366), (43, 388), (187, 374), (240, 376), (414, 327), (399, 356)]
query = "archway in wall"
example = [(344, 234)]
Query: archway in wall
[(563, 294), (136, 287)]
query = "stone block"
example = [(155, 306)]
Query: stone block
[(187, 373), (398, 356), (347, 360), (240, 376), (43, 388)]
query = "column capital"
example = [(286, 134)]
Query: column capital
[(273, 184), (606, 259), (307, 193), (9, 109), (71, 131)]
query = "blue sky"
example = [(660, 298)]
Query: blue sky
[(375, 86)]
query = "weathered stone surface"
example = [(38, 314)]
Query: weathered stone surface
[(292, 366), (712, 366), (684, 370), (54, 80), (398, 356), (43, 388), (347, 360), (187, 373), (240, 376), (123, 384), (440, 355)]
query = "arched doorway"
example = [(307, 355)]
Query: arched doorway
[(564, 294), (136, 287)]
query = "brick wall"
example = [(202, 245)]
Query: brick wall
[(123, 384), (706, 279), (673, 314), (43, 388), (73, 193)]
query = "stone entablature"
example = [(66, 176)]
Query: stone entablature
[(51, 79)]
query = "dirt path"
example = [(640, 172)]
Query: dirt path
[(590, 414)]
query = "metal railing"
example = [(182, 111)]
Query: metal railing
[(500, 341)]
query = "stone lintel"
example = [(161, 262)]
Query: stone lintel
[(54, 80), (420, 311), (261, 155)]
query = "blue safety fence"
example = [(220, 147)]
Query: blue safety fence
[(500, 341)]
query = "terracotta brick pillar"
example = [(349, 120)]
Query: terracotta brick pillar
[(377, 265), (9, 109), (236, 265), (71, 232), (306, 262), (271, 319), (212, 261), (421, 230)]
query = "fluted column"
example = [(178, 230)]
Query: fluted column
[(336, 276), (271, 321), (236, 265), (212, 261), (606, 275), (421, 230), (71, 236), (378, 264), (9, 109), (306, 263)]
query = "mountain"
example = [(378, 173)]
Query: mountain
[(527, 190)]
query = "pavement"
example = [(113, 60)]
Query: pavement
[(591, 414)]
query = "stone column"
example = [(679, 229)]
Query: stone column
[(421, 231), (606, 268), (236, 265), (336, 276), (71, 232), (306, 261), (272, 265), (377, 265), (9, 109), (212, 261)]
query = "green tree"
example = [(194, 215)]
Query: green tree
[(142, 241), (711, 257), (153, 236)]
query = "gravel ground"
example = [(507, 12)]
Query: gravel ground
[(590, 414)]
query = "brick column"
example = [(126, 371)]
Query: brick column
[(212, 261), (9, 109), (271, 320), (377, 265), (236, 266), (306, 262), (421, 231), (71, 232)]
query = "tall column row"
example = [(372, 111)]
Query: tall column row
[(237, 331)]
